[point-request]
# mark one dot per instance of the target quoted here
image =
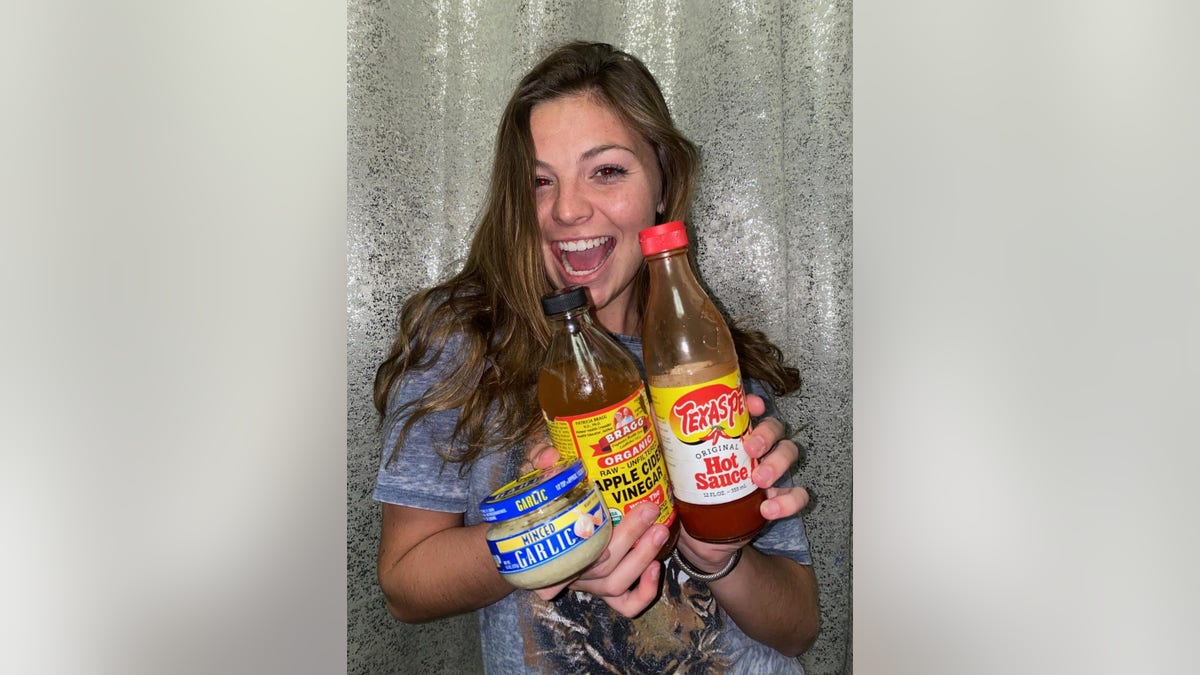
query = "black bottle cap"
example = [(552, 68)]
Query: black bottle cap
[(564, 299)]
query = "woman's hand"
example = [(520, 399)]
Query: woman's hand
[(775, 456), (628, 558)]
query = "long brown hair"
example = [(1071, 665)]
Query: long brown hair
[(493, 303)]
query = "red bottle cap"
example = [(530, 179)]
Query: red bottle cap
[(665, 237)]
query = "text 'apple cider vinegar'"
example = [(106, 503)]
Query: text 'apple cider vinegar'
[(596, 409)]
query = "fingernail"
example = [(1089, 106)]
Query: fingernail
[(770, 509), (655, 570), (762, 477), (659, 536)]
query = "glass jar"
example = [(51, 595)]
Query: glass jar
[(546, 526)]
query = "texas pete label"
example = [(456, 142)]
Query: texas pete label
[(700, 428)]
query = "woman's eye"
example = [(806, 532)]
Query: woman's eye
[(610, 172), (540, 181)]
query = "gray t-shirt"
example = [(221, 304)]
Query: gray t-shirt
[(683, 631)]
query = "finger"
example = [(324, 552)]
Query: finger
[(762, 437), (541, 456), (550, 592), (531, 453), (624, 549), (635, 523), (755, 405), (783, 502), (635, 600), (775, 463)]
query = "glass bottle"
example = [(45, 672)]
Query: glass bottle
[(596, 409), (697, 394)]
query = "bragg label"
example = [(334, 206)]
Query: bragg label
[(700, 428), (619, 447)]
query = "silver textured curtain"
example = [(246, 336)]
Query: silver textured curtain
[(762, 86)]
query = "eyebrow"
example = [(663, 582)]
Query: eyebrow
[(592, 152), (603, 148)]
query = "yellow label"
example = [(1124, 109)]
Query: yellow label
[(701, 428), (619, 447), (581, 520)]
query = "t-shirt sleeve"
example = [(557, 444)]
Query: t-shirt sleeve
[(413, 472), (785, 537)]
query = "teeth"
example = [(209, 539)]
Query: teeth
[(582, 244), (565, 247)]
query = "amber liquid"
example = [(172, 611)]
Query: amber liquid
[(723, 523), (562, 393), (737, 520)]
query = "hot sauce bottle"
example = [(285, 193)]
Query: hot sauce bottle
[(698, 400), (596, 409)]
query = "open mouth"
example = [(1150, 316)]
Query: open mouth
[(584, 256)]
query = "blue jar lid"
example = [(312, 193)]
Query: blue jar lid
[(531, 491)]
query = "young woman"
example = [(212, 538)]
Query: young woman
[(586, 156)]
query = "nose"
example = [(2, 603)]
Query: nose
[(571, 204)]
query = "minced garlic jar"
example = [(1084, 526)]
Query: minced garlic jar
[(546, 526)]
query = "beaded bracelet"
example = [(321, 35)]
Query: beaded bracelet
[(706, 576)]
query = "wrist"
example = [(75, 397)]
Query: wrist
[(705, 575)]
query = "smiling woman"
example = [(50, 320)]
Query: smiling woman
[(587, 156)]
